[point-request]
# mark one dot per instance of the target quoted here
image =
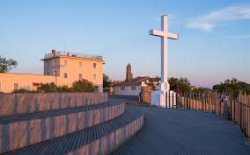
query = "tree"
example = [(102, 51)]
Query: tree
[(181, 85), (106, 81), (201, 90), (7, 64), (232, 86)]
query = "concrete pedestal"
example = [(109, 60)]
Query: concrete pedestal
[(164, 99), (158, 98)]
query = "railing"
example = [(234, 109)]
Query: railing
[(237, 110), (241, 113), (70, 54)]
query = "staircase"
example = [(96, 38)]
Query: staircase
[(72, 123)]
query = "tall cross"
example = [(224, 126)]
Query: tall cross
[(165, 35)]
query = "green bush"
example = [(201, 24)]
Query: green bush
[(78, 86), (49, 87), (83, 86), (22, 90), (64, 89)]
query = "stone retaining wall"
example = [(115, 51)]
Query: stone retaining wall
[(111, 141), (146, 95), (19, 134), (37, 102)]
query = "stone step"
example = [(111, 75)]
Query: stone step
[(99, 139), (26, 129)]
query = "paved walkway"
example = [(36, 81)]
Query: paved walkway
[(171, 131)]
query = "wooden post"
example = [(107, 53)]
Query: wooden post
[(210, 102), (193, 99), (248, 122), (205, 102), (199, 96), (217, 105), (248, 117)]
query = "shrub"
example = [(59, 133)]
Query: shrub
[(83, 86), (78, 86), (49, 87), (23, 90), (64, 89)]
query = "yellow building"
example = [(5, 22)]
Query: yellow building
[(62, 68)]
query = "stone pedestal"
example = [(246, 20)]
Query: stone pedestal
[(158, 98), (164, 98)]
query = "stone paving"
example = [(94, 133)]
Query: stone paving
[(176, 131)]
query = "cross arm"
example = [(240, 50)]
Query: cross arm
[(173, 36), (156, 33)]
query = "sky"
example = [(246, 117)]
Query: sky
[(214, 42)]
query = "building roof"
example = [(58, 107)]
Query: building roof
[(56, 54), (136, 81)]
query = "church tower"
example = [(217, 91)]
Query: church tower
[(129, 75)]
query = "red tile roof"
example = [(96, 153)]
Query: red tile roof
[(136, 81)]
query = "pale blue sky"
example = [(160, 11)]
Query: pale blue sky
[(214, 35)]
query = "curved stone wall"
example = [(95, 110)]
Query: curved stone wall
[(21, 103), (111, 141), (19, 134)]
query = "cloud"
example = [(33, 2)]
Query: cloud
[(212, 20)]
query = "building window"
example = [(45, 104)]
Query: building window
[(55, 62), (65, 75), (47, 73), (80, 76), (16, 86), (65, 62), (94, 65), (123, 88), (133, 87), (55, 73), (94, 76), (80, 64)]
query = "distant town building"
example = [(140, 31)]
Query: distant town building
[(133, 86), (61, 68)]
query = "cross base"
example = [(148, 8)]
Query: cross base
[(164, 98)]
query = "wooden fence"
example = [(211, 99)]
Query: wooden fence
[(237, 110)]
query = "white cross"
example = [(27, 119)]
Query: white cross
[(165, 35)]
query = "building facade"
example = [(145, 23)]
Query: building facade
[(61, 68), (133, 86)]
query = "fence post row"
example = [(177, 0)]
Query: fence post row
[(235, 109)]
